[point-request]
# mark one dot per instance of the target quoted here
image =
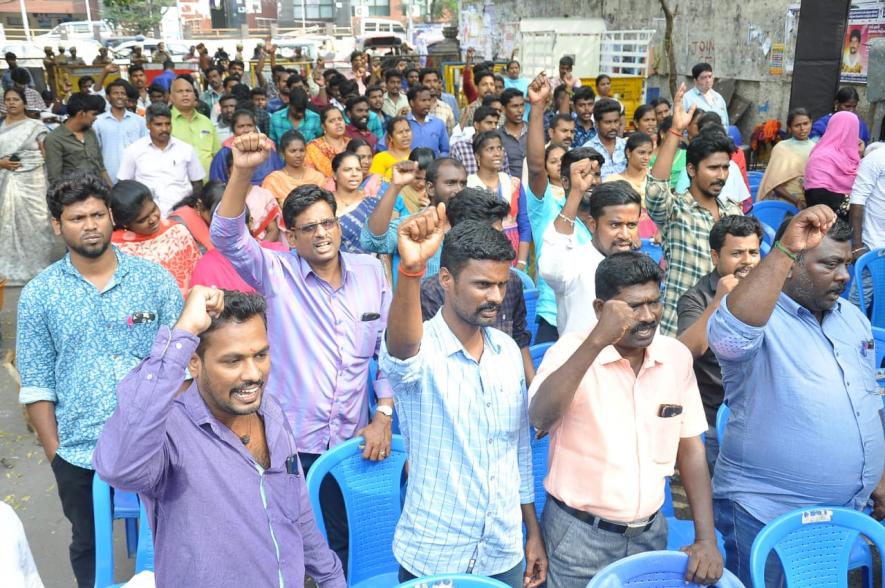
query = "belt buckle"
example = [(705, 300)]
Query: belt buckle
[(634, 529)]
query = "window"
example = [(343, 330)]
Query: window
[(378, 7), (371, 27), (315, 9)]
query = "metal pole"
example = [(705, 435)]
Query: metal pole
[(303, 16), (88, 13), (27, 26)]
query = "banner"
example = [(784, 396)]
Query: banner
[(866, 21)]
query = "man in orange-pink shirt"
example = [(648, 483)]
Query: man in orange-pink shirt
[(622, 407)]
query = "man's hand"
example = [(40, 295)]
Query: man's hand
[(10, 165), (539, 91), (468, 57), (403, 173), (111, 68), (681, 118), (250, 151), (535, 561), (615, 320), (376, 435), (808, 228), (202, 305), (581, 177), (704, 562), (404, 111), (419, 236), (726, 284)]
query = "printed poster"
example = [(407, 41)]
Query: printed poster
[(866, 21)]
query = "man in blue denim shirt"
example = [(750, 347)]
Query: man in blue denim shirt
[(798, 366), (83, 323)]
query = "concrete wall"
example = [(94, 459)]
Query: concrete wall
[(732, 36)]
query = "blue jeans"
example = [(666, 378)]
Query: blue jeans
[(576, 550), (739, 529), (512, 577)]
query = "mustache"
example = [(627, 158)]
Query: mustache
[(489, 306), (720, 183), (244, 385), (643, 326)]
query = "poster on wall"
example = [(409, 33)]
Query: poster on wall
[(866, 21)]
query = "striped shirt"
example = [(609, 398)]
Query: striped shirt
[(685, 227), (466, 428)]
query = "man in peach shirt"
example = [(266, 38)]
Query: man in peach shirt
[(622, 407)]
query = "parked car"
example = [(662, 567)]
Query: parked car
[(78, 29), (177, 49)]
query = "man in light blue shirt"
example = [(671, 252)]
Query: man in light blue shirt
[(607, 114), (427, 130), (117, 128), (83, 323), (461, 397), (703, 96), (799, 371)]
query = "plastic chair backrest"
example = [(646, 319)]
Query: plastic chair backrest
[(879, 336), (537, 352), (772, 212), (453, 581), (531, 310), (371, 491), (653, 250), (874, 262), (540, 453), (667, 507), (721, 421), (814, 545), (768, 234), (755, 180), (144, 556), (661, 569), (103, 517), (527, 282)]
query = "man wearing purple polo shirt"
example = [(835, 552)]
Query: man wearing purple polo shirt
[(201, 459), (326, 312)]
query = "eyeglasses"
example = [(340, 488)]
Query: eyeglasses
[(310, 228)]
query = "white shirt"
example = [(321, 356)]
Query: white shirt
[(869, 191), (223, 131), (167, 172), (569, 268), (17, 566)]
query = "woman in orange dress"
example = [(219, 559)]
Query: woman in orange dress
[(140, 230), (322, 150), (295, 173)]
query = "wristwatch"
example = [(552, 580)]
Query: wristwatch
[(385, 410)]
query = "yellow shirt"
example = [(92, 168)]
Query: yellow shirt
[(382, 164), (199, 133), (610, 452)]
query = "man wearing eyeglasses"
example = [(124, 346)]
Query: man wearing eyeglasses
[(326, 311)]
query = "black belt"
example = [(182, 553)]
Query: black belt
[(612, 527)]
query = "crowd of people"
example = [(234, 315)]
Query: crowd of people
[(239, 259)]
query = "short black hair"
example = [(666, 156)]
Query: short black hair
[(735, 225), (584, 93), (567, 60), (433, 168), (561, 117), (391, 122), (294, 79), (509, 94), (226, 97), (422, 156), (616, 193), (605, 106), (373, 88), (854, 34), (601, 77), (353, 101), (241, 112), (127, 198), (636, 140), (289, 137), (476, 204), (480, 139), (298, 99), (483, 112), (76, 187), (488, 100), (156, 88), (326, 111), (302, 198), (710, 120), (558, 92), (625, 269), (339, 159), (700, 68), (577, 154), (134, 68), (355, 144), (796, 113), (474, 240), (658, 101), (157, 109), (236, 62), (426, 72), (847, 94), (347, 87), (78, 103), (239, 307), (168, 64), (392, 73), (481, 75), (118, 83), (413, 92), (706, 144), (85, 81), (258, 91), (641, 111), (20, 75), (242, 92), (229, 79)]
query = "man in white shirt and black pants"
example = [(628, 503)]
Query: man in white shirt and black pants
[(866, 213)]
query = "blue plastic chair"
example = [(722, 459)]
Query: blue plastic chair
[(653, 250), (371, 491), (755, 180), (680, 532), (658, 569), (815, 546), (531, 310), (773, 212), (859, 554), (453, 581), (103, 516), (540, 447), (527, 282), (879, 336), (874, 263), (538, 351)]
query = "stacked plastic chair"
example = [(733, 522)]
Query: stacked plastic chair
[(453, 581), (104, 514), (654, 569)]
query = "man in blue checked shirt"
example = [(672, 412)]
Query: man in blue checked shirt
[(83, 323), (461, 397)]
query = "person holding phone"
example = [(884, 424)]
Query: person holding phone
[(622, 407)]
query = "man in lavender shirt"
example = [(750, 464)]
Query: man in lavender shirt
[(326, 311), (216, 465)]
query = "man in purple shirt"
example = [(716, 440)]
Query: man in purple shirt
[(202, 459), (326, 313)]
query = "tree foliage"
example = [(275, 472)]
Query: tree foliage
[(137, 17)]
